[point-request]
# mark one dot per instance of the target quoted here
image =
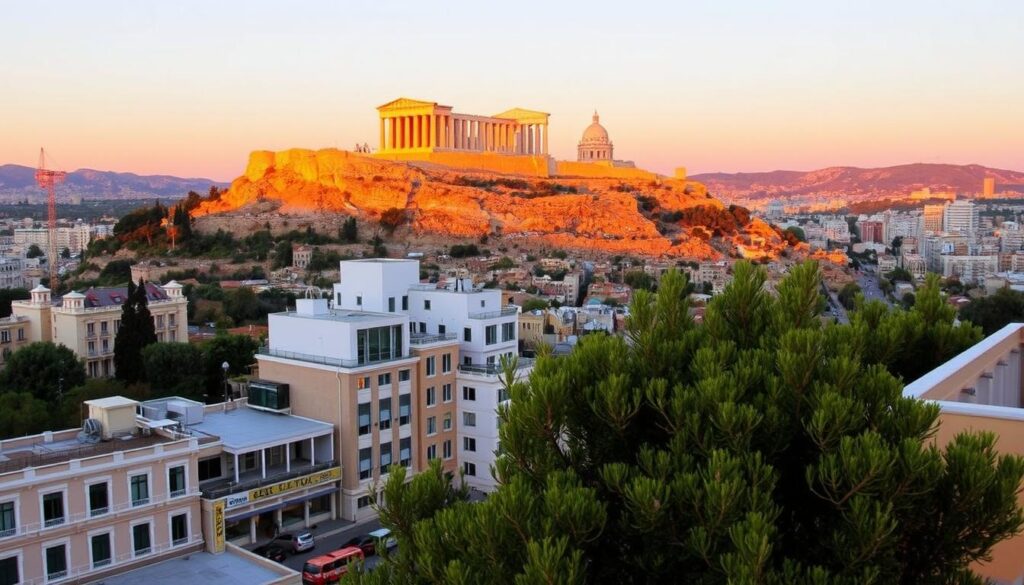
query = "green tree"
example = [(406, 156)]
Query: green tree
[(504, 263), (848, 294), (239, 351), (350, 231), (282, 254), (116, 272), (171, 369), (34, 251), (761, 447), (993, 312), (22, 414), (136, 332), (65, 253), (638, 279), (899, 275), (242, 305), (534, 305), (798, 233), (44, 370)]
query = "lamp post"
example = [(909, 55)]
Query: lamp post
[(225, 366)]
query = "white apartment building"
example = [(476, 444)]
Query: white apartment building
[(74, 238), (837, 230), (11, 273), (969, 269), (960, 216)]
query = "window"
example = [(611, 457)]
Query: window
[(21, 334), (209, 468), (385, 457), (99, 545), (8, 520), (469, 444), (469, 419), (403, 375), (508, 331), (359, 301), (432, 425), (117, 325), (320, 505), (9, 574), (405, 302), (179, 529), (441, 329), (384, 379), (467, 361), (431, 365), (404, 409), (446, 422), (363, 383), (431, 452), (431, 396), (338, 302), (446, 449), (384, 412), (378, 344), (423, 327), (469, 469), (99, 499), (170, 321), (140, 539), (468, 393), (103, 327), (56, 562), (405, 452), (491, 334), (467, 334), (139, 489), (483, 304), (90, 329), (446, 393), (365, 463), (53, 509), (5, 336), (426, 304), (364, 418), (176, 481), (446, 363), (391, 304), (363, 502)]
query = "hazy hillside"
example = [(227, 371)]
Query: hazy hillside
[(886, 181), (18, 182)]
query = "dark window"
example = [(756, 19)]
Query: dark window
[(176, 481), (469, 468), (426, 304), (9, 571), (56, 562), (508, 331), (179, 529), (140, 539), (404, 409), (364, 418), (53, 509), (446, 363), (385, 457), (405, 452), (8, 524), (405, 303), (468, 393), (403, 375), (140, 490), (100, 550), (441, 329), (491, 334), (209, 468), (468, 444), (467, 334), (384, 412), (384, 379), (391, 304), (431, 365), (365, 463), (99, 500)]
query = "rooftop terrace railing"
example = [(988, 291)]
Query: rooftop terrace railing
[(325, 360), (492, 314), (494, 369), (423, 338)]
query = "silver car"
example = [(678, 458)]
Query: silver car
[(297, 542)]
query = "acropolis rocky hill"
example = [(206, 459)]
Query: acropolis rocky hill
[(613, 215)]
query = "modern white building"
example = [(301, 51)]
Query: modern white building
[(960, 216)]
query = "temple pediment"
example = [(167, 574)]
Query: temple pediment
[(407, 104)]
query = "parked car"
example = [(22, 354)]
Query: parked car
[(300, 542), (272, 552), (331, 567), (363, 542), (384, 539)]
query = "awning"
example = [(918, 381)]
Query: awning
[(279, 505)]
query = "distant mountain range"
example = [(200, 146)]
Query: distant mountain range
[(18, 183), (858, 183)]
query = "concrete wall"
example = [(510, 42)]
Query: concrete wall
[(534, 166), (597, 171)]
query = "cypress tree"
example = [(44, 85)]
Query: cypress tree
[(136, 332), (761, 447)]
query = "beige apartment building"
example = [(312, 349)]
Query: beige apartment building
[(79, 505), (982, 389), (13, 335), (87, 322)]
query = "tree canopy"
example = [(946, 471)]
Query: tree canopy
[(993, 312), (761, 447), (43, 369)]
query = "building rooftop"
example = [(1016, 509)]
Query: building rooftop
[(206, 568), (111, 402), (35, 451), (341, 315), (113, 296), (243, 429)]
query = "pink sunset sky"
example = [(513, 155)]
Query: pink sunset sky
[(190, 88)]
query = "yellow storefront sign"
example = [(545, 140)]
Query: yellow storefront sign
[(218, 526), (262, 493)]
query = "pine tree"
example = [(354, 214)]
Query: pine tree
[(760, 447)]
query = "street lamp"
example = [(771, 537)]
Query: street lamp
[(225, 366)]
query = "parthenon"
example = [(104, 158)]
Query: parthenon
[(408, 125)]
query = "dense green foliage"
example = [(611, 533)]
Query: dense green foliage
[(135, 333), (993, 312), (761, 447), (172, 369), (42, 369), (848, 294)]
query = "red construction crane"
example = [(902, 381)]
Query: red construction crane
[(48, 180)]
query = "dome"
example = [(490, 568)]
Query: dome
[(595, 132)]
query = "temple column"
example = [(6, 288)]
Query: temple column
[(529, 139), (406, 131), (416, 134), (380, 143), (431, 129), (457, 133), (545, 151), (448, 128), (536, 139)]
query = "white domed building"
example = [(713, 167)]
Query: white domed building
[(595, 144)]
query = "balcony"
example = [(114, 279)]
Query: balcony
[(493, 369), (325, 360), (504, 312), (252, 479), (424, 338)]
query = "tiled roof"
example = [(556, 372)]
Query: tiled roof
[(110, 296)]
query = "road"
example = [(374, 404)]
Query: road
[(868, 282), (332, 542)]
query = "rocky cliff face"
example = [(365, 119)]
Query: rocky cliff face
[(579, 213)]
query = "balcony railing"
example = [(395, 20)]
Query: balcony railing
[(53, 522), (494, 369), (505, 311), (220, 489), (424, 338), (325, 360)]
